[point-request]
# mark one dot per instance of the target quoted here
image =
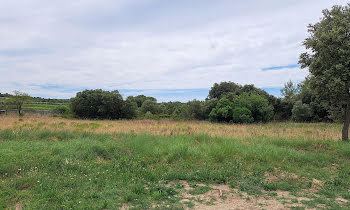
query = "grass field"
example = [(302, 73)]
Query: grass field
[(42, 106), (315, 131), (51, 163)]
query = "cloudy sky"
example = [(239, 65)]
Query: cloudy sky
[(172, 50)]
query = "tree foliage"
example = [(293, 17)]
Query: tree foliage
[(219, 90), (196, 110), (290, 91), (18, 99), (140, 99), (328, 62), (301, 112), (259, 106), (245, 108), (129, 109), (97, 104), (150, 106), (242, 115), (222, 112)]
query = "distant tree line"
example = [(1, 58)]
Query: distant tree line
[(4, 95), (50, 100), (39, 99), (226, 102)]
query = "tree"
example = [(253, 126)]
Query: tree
[(61, 109), (129, 109), (223, 111), (301, 112), (150, 106), (219, 90), (307, 96), (141, 98), (242, 115), (97, 104), (209, 105), (163, 109), (3, 105), (18, 99), (290, 91), (259, 106), (196, 109), (6, 95), (282, 109), (172, 106), (327, 58)]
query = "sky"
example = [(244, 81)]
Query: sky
[(171, 50)]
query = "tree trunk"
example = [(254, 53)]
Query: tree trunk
[(345, 131), (19, 110)]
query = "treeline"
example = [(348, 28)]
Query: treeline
[(40, 99), (226, 102)]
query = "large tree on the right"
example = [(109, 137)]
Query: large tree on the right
[(328, 61)]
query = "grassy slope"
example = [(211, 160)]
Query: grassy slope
[(48, 169)]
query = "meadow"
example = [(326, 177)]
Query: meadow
[(49, 107), (55, 163)]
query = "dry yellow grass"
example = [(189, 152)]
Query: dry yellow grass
[(316, 131)]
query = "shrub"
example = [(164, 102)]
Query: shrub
[(242, 115), (150, 106), (259, 106), (129, 109), (301, 112), (148, 115), (196, 110), (97, 104), (61, 109), (223, 111)]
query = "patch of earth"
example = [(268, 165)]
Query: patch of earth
[(225, 198), (277, 175), (18, 206)]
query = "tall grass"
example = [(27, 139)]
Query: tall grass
[(316, 131), (56, 169)]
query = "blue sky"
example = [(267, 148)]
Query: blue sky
[(171, 50)]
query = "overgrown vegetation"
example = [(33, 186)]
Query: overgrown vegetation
[(51, 169)]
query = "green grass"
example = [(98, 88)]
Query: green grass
[(55, 170), (43, 106)]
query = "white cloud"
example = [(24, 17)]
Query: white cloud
[(149, 44)]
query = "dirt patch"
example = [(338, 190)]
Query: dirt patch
[(18, 206), (277, 175), (316, 186), (223, 197), (53, 138), (101, 159), (341, 200)]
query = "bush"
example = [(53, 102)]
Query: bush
[(61, 109), (129, 109), (209, 105), (248, 108), (223, 111), (196, 110), (150, 106), (242, 115), (97, 104), (301, 112), (148, 115), (259, 106)]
